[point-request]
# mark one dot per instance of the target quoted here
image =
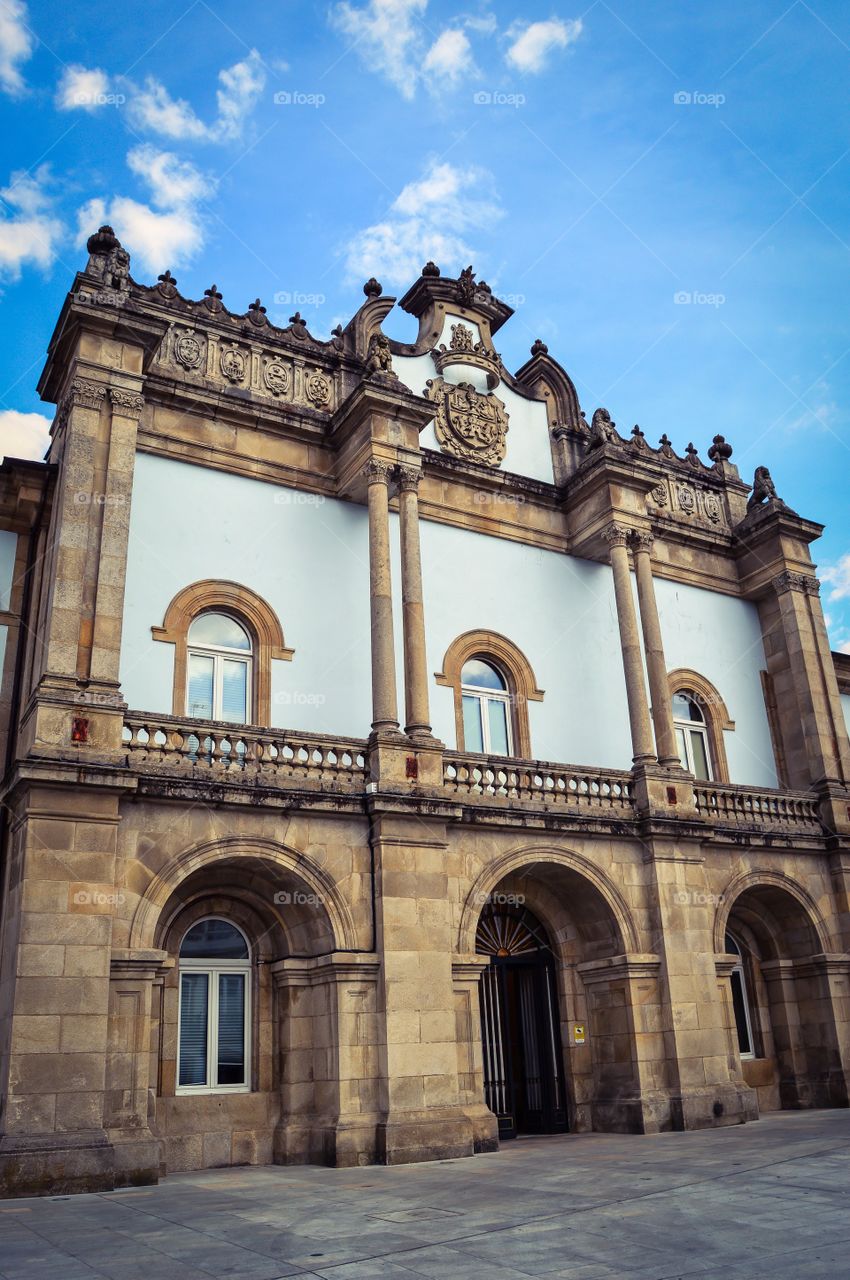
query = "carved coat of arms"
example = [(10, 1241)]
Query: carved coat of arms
[(468, 424)]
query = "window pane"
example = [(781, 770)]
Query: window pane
[(214, 940), (194, 1000), (220, 630), (472, 736), (199, 700), (740, 1006), (498, 715), (683, 750), (482, 675), (231, 1028), (698, 747), (234, 691), (685, 707)]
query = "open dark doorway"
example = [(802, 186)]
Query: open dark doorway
[(520, 1032)]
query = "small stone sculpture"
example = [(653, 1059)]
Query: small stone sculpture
[(601, 429), (764, 489)]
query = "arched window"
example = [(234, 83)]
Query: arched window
[(691, 735), (225, 638), (220, 661), (214, 1009), (741, 999), (493, 684), (486, 708)]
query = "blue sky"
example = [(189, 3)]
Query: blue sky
[(661, 190)]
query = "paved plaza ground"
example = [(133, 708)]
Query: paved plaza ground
[(768, 1199)]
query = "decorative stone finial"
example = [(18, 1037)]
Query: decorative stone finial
[(720, 450), (638, 438), (338, 338), (539, 348), (103, 241), (466, 286), (430, 269), (212, 299), (691, 451), (299, 326), (666, 446), (373, 288), (257, 313), (167, 285)]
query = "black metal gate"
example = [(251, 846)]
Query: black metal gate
[(523, 1069)]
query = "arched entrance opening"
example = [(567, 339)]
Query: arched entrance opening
[(557, 1000), (781, 1010), (520, 1029)]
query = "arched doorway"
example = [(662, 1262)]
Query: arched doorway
[(520, 1032)]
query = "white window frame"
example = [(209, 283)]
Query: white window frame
[(219, 653), (693, 726), (745, 991), (485, 695), (213, 968)]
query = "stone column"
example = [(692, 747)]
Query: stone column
[(384, 696), (417, 715), (642, 747), (659, 689)]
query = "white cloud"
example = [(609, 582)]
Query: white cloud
[(532, 45), (153, 108), (822, 414), (240, 86), (23, 435), (837, 577), (16, 45), (450, 57), (170, 230), (86, 87), (32, 233), (430, 218), (387, 36)]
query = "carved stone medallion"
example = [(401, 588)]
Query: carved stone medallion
[(188, 350), (233, 364), (318, 389), (276, 377), (468, 424), (687, 500), (659, 495), (712, 508)]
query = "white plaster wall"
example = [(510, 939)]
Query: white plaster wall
[(845, 706), (719, 636), (8, 549), (306, 556), (559, 611), (529, 452)]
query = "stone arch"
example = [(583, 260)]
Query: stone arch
[(523, 860), (777, 882), (247, 607), (261, 851)]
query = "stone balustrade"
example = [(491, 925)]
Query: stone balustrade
[(476, 777), (279, 757), (726, 804)]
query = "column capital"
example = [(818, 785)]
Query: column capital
[(788, 581), (86, 392), (129, 403), (407, 478), (616, 535), (378, 471), (642, 540)]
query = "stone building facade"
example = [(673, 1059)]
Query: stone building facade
[(395, 928)]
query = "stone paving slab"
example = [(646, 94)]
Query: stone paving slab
[(763, 1201)]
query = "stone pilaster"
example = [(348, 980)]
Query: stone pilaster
[(424, 1109), (466, 972), (662, 715), (617, 538)]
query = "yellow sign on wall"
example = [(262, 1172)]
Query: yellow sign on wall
[(579, 1036)]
